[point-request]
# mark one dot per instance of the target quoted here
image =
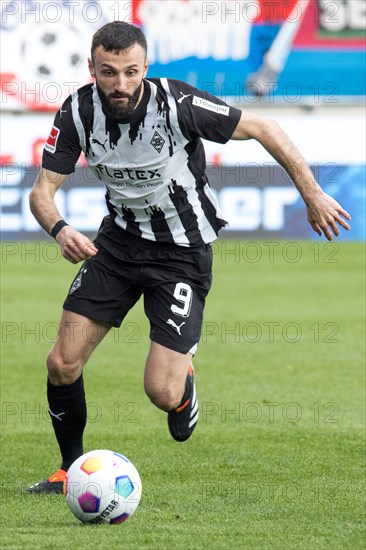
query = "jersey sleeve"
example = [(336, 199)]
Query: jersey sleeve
[(62, 148), (203, 115)]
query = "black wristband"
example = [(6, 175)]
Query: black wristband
[(57, 227)]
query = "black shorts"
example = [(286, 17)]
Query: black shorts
[(174, 281)]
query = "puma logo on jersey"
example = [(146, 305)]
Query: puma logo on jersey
[(99, 143), (183, 97), (177, 327)]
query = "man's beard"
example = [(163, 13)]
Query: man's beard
[(120, 110)]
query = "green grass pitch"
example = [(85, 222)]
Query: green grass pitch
[(277, 459)]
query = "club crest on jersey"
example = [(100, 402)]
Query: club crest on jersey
[(157, 142), (51, 142)]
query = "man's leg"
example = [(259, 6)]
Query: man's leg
[(169, 383), (78, 337)]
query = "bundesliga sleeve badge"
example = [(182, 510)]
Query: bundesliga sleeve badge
[(51, 142)]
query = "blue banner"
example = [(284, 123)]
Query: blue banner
[(258, 201)]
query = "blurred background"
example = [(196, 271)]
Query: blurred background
[(301, 62)]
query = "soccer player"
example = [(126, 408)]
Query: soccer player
[(142, 139)]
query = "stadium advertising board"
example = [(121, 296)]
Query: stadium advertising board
[(288, 50), (258, 201)]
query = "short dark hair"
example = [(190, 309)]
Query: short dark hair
[(118, 35)]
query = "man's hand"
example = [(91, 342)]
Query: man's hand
[(75, 246), (325, 214)]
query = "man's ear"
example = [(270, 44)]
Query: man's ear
[(146, 67), (91, 67)]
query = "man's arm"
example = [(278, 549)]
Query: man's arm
[(324, 213), (75, 246)]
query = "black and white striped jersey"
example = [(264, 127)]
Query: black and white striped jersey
[(153, 164)]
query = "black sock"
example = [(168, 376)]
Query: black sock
[(67, 409)]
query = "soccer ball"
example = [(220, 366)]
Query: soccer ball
[(102, 487)]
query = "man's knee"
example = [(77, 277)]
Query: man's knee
[(62, 370)]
